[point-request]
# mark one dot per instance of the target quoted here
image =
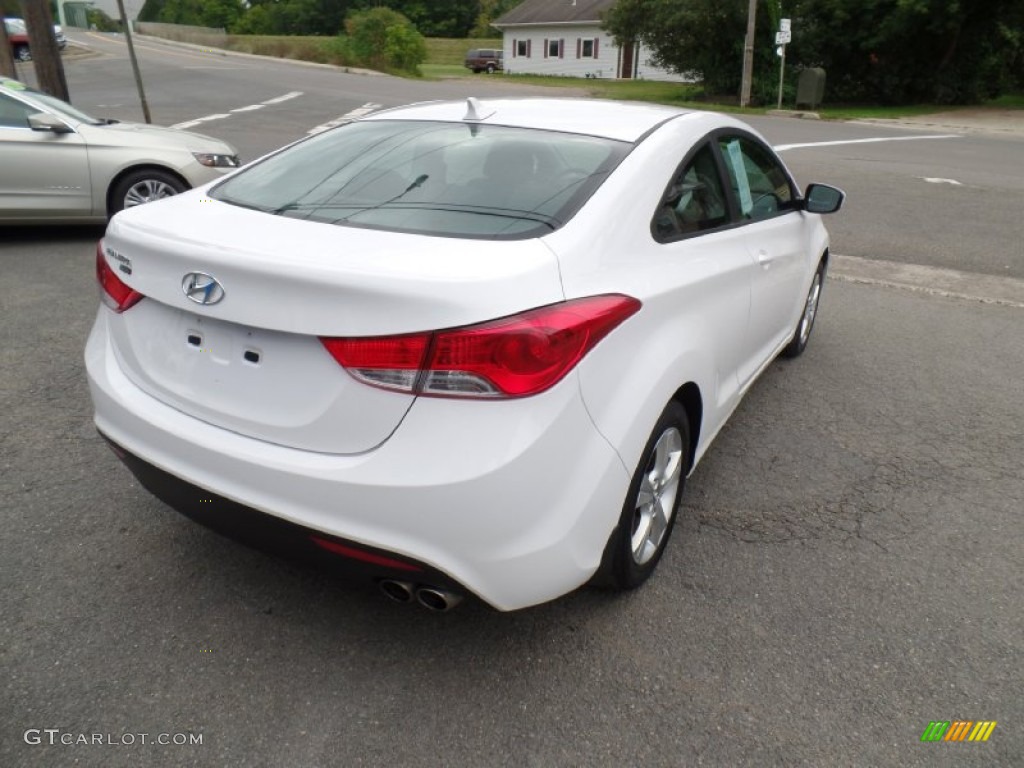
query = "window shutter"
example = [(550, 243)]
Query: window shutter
[(545, 47), (595, 47), (515, 47), (579, 46), (561, 49), (528, 47)]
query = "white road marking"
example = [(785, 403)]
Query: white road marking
[(286, 97), (346, 118), (784, 147), (249, 108), (935, 180)]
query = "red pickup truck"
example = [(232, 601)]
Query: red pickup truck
[(17, 34)]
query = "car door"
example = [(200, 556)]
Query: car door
[(695, 226), (773, 234), (45, 174)]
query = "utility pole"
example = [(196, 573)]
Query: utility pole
[(135, 62), (748, 56), (6, 57), (45, 53)]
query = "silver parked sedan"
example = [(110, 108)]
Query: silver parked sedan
[(58, 164)]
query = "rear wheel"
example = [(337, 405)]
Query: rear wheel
[(805, 325), (652, 502), (490, 69), (144, 186)]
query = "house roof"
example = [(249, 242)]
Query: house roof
[(555, 12)]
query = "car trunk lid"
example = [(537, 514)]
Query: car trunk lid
[(251, 361)]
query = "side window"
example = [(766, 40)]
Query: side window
[(758, 180), (694, 201), (14, 114)]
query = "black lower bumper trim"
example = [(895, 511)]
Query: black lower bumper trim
[(275, 535)]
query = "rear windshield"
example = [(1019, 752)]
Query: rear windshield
[(447, 179)]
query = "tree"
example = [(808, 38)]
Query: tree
[(701, 37), (218, 14), (884, 51), (439, 18), (386, 40), (151, 10), (903, 51)]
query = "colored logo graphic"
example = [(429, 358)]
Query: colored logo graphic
[(958, 730)]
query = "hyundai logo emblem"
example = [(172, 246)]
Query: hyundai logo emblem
[(202, 288)]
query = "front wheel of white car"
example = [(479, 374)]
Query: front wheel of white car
[(144, 186), (805, 325), (652, 502)]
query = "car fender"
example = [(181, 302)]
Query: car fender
[(650, 366)]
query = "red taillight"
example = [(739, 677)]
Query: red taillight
[(392, 362), (512, 357), (114, 293)]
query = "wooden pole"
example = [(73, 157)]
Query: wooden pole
[(748, 56), (43, 44)]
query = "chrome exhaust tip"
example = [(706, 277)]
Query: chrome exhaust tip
[(399, 591), (435, 599)]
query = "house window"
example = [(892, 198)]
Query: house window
[(555, 48), (523, 48), (587, 48)]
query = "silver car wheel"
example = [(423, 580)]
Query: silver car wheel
[(146, 191), (810, 308), (656, 498)]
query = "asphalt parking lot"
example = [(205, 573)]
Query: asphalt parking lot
[(847, 569)]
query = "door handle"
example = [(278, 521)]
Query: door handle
[(765, 259)]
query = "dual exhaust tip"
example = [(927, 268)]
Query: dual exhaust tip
[(431, 598)]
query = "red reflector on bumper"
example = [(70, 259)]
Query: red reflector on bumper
[(366, 557)]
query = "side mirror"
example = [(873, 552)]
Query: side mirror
[(41, 121), (821, 198)]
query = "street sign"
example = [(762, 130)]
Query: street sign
[(782, 37), (784, 25)]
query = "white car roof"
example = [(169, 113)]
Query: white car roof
[(624, 121)]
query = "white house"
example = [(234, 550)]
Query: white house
[(564, 37)]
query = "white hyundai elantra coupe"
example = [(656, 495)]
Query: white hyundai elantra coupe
[(466, 348)]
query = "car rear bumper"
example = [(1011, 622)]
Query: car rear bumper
[(512, 501)]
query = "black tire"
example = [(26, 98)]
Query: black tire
[(143, 186), (804, 326), (654, 494), (22, 53), (490, 69)]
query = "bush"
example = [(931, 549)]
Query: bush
[(386, 40), (99, 21)]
